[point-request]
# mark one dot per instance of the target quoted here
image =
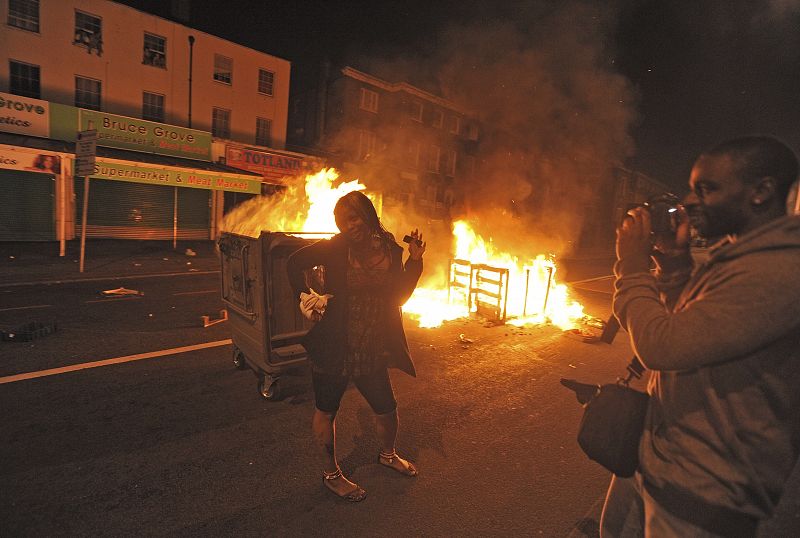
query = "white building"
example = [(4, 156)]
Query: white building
[(155, 83), (101, 55)]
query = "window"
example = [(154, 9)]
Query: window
[(413, 154), (88, 32), (367, 141), (24, 79), (155, 51), (416, 111), (450, 163), (266, 82), (221, 123), (369, 100), (87, 93), (153, 107), (223, 69), (24, 14), (263, 132), (454, 125), (438, 118), (433, 158)]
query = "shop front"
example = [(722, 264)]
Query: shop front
[(144, 200), (28, 184)]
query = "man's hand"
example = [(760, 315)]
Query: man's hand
[(635, 242)]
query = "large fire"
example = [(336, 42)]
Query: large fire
[(520, 290)]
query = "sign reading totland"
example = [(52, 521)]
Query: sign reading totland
[(24, 115), (108, 169), (271, 166), (141, 135)]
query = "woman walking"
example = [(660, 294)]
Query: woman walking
[(359, 332)]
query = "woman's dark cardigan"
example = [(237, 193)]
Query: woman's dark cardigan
[(327, 339)]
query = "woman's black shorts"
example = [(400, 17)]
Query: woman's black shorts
[(376, 388)]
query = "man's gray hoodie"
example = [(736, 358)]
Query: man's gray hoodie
[(723, 426)]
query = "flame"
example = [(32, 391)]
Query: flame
[(528, 292), (306, 206)]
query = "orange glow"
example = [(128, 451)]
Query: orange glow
[(523, 288)]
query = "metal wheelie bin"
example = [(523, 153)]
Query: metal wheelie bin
[(265, 321)]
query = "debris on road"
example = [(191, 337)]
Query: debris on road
[(120, 292), (29, 331), (582, 334), (208, 322), (464, 339), (190, 252)]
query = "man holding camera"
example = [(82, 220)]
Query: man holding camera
[(722, 342)]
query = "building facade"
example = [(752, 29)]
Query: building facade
[(167, 101), (416, 147)]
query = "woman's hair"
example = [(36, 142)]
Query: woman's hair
[(362, 206)]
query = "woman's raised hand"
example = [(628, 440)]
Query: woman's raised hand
[(417, 247)]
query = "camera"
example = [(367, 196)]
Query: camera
[(663, 209)]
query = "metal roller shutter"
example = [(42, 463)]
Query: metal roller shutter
[(27, 200), (138, 211)]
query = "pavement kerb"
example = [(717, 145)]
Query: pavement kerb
[(101, 278)]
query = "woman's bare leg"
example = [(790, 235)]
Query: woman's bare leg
[(323, 426), (387, 426)]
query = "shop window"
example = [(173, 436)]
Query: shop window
[(24, 14), (223, 69), (24, 79), (153, 107), (88, 32), (263, 132), (155, 51), (369, 100), (221, 123), (266, 82), (87, 93)]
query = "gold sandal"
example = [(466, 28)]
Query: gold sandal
[(389, 457), (357, 494)]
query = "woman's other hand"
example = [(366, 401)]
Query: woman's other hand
[(417, 247)]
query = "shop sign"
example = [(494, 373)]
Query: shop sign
[(30, 161), (148, 136), (104, 169), (24, 115), (271, 166)]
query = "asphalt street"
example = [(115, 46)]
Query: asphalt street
[(182, 444)]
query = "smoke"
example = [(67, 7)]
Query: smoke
[(554, 118)]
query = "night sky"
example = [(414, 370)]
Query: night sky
[(698, 72)]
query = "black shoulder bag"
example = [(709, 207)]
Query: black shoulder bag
[(613, 421)]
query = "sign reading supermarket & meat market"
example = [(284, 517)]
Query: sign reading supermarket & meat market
[(118, 171), (147, 136)]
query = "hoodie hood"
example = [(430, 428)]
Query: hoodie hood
[(781, 233)]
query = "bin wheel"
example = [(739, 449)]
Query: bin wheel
[(269, 388), (238, 359)]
